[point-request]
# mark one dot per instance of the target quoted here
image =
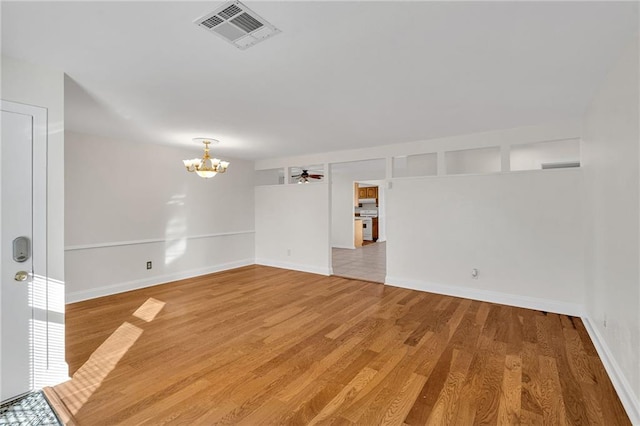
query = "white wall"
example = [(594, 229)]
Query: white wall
[(292, 227), (341, 211), (342, 214), (526, 255), (522, 231), (610, 158), (130, 202), (35, 85)]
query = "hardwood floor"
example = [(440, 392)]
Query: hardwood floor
[(260, 345)]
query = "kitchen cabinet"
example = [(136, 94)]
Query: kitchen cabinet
[(375, 228), (362, 192), (357, 233), (356, 195), (372, 192), (368, 192)]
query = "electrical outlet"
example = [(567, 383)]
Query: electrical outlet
[(474, 273), (149, 265), (604, 322), (288, 252)]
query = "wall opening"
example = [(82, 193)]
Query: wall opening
[(415, 165), (545, 155), (358, 228), (269, 177), (473, 161)]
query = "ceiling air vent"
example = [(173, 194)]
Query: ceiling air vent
[(237, 24)]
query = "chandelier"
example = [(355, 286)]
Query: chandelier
[(206, 167)]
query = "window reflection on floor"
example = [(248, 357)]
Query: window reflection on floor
[(366, 263)]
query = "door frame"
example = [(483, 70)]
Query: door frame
[(39, 342)]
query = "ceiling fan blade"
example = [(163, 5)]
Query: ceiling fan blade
[(316, 176), (296, 176)]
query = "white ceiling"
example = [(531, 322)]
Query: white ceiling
[(341, 75)]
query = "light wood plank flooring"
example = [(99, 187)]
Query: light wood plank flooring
[(368, 263), (260, 345)]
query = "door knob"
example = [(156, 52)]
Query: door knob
[(21, 276)]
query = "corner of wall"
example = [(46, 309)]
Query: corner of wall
[(611, 159), (630, 401)]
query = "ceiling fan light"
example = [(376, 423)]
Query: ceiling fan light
[(305, 176)]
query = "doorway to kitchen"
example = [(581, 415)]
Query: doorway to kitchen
[(358, 243)]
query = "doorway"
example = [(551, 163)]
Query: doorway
[(358, 231)]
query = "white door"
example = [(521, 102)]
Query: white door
[(19, 251)]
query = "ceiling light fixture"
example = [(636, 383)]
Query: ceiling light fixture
[(206, 167), (304, 176)]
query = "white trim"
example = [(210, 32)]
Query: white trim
[(108, 290), (313, 269), (344, 247), (151, 241), (20, 108), (547, 305), (501, 173), (620, 382)]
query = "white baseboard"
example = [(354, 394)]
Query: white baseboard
[(78, 296), (628, 398), (295, 266), (546, 305), (344, 247)]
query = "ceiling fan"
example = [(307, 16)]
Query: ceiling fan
[(305, 176)]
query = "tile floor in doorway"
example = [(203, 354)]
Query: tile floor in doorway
[(365, 263)]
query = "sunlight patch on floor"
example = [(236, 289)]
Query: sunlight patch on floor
[(89, 377), (149, 309)]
